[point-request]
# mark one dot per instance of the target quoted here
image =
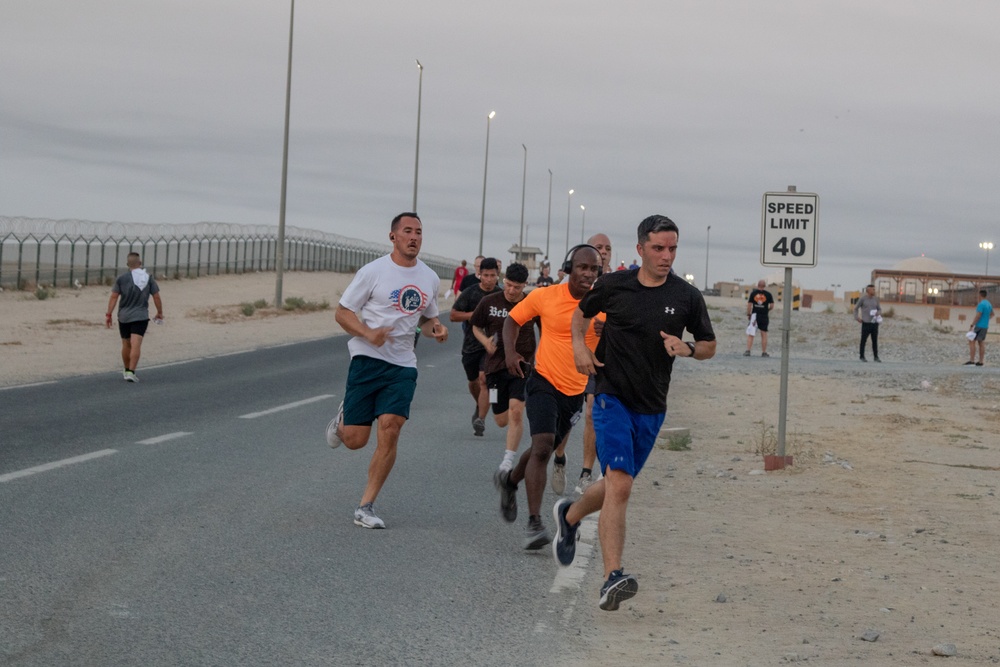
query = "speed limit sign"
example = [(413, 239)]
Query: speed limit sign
[(789, 229)]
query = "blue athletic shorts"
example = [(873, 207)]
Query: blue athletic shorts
[(376, 387), (624, 438)]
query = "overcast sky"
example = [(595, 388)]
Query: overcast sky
[(172, 112)]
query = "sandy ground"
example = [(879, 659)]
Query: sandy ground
[(883, 529)]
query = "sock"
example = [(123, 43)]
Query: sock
[(560, 460), (586, 471), (508, 455)]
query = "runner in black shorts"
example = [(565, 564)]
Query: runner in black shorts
[(505, 391), (473, 352), (759, 307)]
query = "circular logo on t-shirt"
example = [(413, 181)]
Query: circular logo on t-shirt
[(411, 300)]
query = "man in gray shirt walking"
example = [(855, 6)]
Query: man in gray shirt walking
[(868, 311), (134, 287)]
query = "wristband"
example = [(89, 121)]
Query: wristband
[(690, 345)]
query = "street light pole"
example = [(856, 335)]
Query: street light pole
[(416, 163), (707, 237), (482, 214), (583, 222), (987, 246), (524, 181), (548, 221), (279, 251), (569, 202)]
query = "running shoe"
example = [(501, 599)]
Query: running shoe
[(478, 426), (559, 478), (618, 588), (332, 438), (747, 353), (564, 545), (583, 483), (130, 377), (765, 354), (365, 517), (508, 495), (536, 535)]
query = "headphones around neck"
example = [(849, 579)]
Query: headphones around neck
[(567, 265)]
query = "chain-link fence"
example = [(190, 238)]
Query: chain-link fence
[(36, 251)]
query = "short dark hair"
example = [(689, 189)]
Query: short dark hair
[(487, 264), (395, 221), (517, 273), (982, 293), (654, 224), (869, 285)]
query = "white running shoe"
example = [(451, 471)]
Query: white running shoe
[(130, 377), (365, 517), (585, 481), (332, 438), (559, 478)]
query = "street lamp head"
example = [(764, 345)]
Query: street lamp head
[(492, 114), (419, 66), (986, 245), (582, 207), (572, 191)]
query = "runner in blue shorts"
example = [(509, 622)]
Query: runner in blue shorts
[(647, 311)]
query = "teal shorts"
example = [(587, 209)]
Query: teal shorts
[(376, 387)]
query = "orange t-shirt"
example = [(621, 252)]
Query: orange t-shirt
[(554, 357)]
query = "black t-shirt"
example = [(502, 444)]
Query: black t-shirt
[(636, 367), (466, 303), (489, 316), (761, 298), (544, 281), (468, 281)]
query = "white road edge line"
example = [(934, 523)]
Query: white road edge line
[(25, 386), (56, 464), (172, 363), (286, 406), (163, 438)]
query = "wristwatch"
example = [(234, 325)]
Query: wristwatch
[(691, 345)]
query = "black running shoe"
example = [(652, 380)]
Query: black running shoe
[(618, 588), (564, 545), (508, 495), (536, 535)]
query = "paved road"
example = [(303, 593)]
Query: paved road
[(187, 520)]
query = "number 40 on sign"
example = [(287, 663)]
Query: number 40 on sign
[(789, 229)]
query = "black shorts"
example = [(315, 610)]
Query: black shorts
[(548, 409), (762, 323), (473, 363), (129, 329), (508, 386)]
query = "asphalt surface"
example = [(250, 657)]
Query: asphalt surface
[(187, 520)]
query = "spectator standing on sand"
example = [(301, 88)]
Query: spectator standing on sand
[(759, 307), (984, 311), (134, 287), (456, 281), (868, 311)]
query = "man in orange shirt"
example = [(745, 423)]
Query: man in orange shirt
[(554, 389)]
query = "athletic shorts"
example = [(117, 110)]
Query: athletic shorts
[(762, 323), (591, 385), (376, 387), (624, 438), (473, 363), (129, 329), (980, 334), (508, 387), (548, 409)]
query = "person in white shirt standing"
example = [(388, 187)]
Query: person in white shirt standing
[(387, 300)]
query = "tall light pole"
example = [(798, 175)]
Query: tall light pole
[(416, 162), (583, 223), (548, 221), (569, 202), (482, 214), (987, 246), (707, 237), (279, 251), (524, 181)]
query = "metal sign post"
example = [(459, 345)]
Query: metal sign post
[(788, 238)]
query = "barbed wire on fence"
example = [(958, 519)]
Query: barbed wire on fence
[(37, 251)]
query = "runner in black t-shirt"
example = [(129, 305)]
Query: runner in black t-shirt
[(759, 305), (473, 353), (647, 310)]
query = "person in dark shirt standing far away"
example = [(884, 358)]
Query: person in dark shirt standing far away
[(506, 391), (759, 307), (868, 311), (473, 353), (134, 287), (554, 388), (388, 299), (471, 279), (646, 312)]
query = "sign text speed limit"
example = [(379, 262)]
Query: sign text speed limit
[(789, 229)]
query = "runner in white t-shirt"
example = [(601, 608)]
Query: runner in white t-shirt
[(386, 301)]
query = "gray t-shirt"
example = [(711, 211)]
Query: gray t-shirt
[(133, 302), (866, 304)]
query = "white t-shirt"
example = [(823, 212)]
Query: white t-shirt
[(385, 294)]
